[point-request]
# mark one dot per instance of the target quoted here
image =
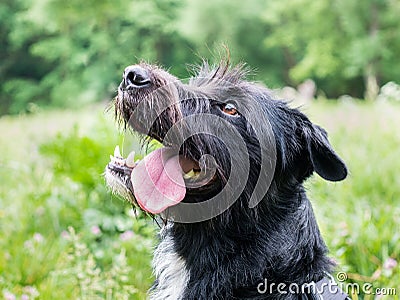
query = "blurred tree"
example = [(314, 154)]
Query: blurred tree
[(64, 53), (19, 70), (211, 24), (371, 28), (340, 43), (88, 43)]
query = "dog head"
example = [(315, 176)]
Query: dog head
[(225, 140)]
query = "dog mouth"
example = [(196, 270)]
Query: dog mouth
[(161, 179)]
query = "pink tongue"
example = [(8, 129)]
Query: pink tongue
[(158, 182)]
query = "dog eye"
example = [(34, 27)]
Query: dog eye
[(230, 109)]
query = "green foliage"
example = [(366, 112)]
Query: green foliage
[(81, 166), (19, 69), (336, 42), (80, 270), (86, 45), (209, 25), (22, 97), (359, 216), (69, 54), (106, 255)]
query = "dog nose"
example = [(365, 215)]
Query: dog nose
[(136, 76)]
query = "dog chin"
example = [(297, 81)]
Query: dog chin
[(118, 185)]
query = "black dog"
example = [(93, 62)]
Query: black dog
[(228, 185)]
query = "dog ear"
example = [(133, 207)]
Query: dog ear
[(325, 161)]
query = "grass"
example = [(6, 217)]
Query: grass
[(360, 216), (64, 237)]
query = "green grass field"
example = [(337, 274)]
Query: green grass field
[(63, 236)]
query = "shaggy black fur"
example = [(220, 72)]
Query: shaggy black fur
[(278, 240)]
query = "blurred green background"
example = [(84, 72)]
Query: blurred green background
[(63, 236)]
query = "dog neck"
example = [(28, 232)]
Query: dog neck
[(234, 252)]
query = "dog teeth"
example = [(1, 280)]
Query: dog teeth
[(130, 160), (117, 152), (191, 174), (117, 160)]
